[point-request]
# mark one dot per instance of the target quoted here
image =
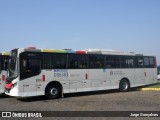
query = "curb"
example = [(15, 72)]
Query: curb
[(149, 89)]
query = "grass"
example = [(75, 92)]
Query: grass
[(157, 85)]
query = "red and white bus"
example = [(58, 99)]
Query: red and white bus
[(34, 72), (3, 70)]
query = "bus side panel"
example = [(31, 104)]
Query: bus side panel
[(149, 76), (61, 76), (155, 75), (115, 76), (29, 86), (130, 75), (78, 80), (99, 79), (51, 76), (139, 76)]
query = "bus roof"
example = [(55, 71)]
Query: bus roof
[(85, 51)]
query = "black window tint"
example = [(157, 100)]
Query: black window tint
[(1, 63), (59, 61), (96, 61), (139, 62), (83, 61), (146, 62), (127, 62), (0, 67), (113, 62), (151, 62), (77, 61), (30, 64), (47, 61), (4, 62)]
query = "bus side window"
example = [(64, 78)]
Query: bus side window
[(5, 64), (24, 64), (30, 67), (0, 66), (139, 62), (26, 67)]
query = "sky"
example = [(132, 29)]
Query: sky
[(126, 25)]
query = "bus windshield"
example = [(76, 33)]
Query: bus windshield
[(13, 67)]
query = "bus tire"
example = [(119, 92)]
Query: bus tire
[(124, 85), (53, 91)]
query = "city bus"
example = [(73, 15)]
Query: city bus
[(3, 70), (49, 72)]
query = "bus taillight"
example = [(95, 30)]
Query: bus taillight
[(3, 77), (145, 74), (43, 77), (155, 62), (86, 76)]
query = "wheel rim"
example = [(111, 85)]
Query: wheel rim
[(125, 86), (54, 91)]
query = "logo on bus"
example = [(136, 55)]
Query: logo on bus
[(60, 73), (116, 73)]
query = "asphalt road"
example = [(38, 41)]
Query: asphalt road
[(90, 101)]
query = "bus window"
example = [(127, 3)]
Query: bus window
[(151, 62), (5, 66), (77, 61), (127, 62), (139, 62), (96, 61), (148, 62), (113, 61), (47, 61), (59, 61), (29, 66)]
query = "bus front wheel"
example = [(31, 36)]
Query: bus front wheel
[(124, 85), (53, 91)]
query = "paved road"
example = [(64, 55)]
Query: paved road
[(92, 101)]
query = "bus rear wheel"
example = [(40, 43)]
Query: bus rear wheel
[(124, 85), (53, 91)]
